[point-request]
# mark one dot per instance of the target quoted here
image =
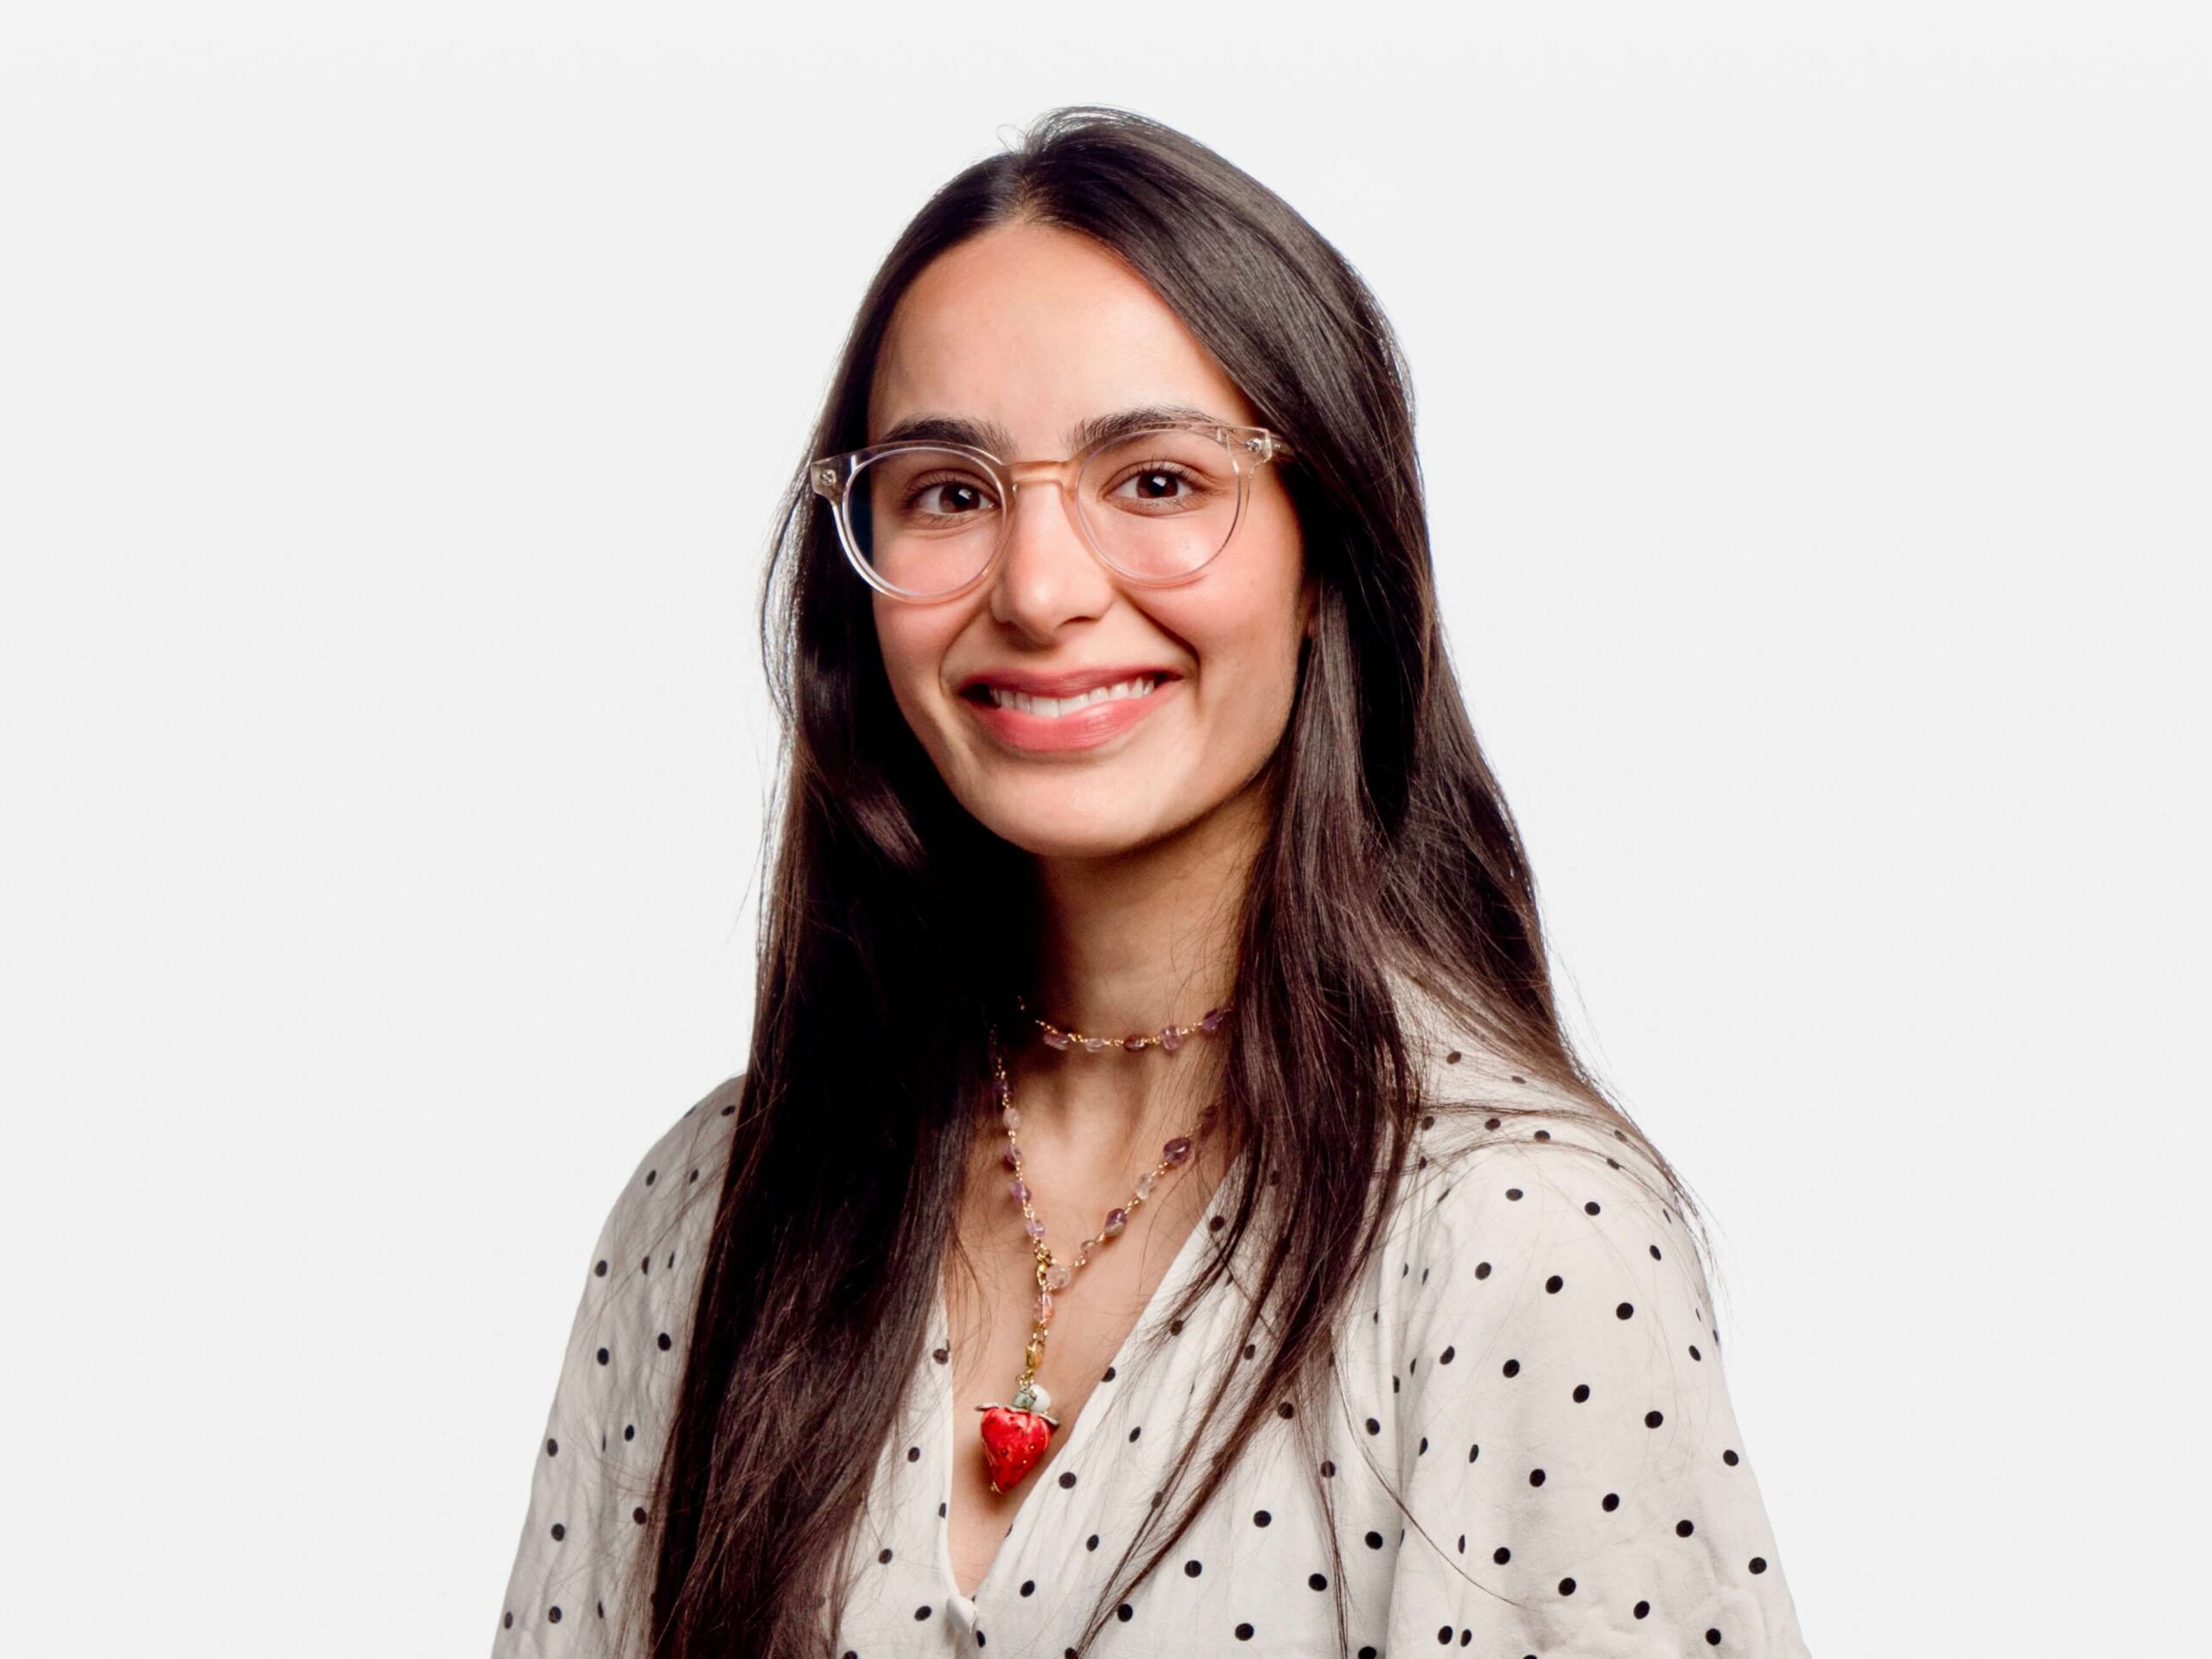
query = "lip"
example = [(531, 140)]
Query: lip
[(1049, 733)]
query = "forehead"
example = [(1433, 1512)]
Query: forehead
[(1031, 331)]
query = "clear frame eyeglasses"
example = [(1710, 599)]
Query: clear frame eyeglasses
[(925, 520)]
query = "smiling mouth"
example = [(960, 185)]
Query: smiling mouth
[(994, 696)]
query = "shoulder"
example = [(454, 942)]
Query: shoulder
[(676, 1176), (1527, 1204)]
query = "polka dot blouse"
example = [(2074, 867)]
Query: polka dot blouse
[(1532, 1364)]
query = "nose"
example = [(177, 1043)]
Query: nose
[(1047, 575)]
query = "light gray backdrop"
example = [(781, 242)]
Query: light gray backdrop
[(392, 403)]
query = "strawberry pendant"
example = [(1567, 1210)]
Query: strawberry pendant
[(1015, 1437)]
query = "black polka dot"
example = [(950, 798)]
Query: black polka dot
[(1653, 1419), (1536, 1477), (1644, 1610), (1555, 1284), (1482, 1270), (1092, 1542), (1261, 1518), (1730, 1458), (1591, 1208), (1501, 1555), (1375, 1540), (508, 1622), (1656, 1256), (1445, 1358), (1374, 1427), (602, 1357), (1133, 1432), (883, 1555), (1566, 1586), (552, 1448), (600, 1269), (1125, 1612), (1512, 1367), (913, 1454), (1695, 1354), (1514, 1193), (1316, 1581), (1444, 1636), (1582, 1392), (922, 1612), (1067, 1480), (559, 1532), (1328, 1467), (1758, 1563), (1712, 1638), (1683, 1528), (1626, 1310), (637, 1515), (1473, 1452), (666, 1343), (1029, 1587), (1244, 1632)]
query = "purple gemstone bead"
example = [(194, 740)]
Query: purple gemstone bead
[(1177, 1150), (1133, 1043), (1009, 1159), (1035, 1229), (1056, 1039), (1116, 1219), (1019, 1188), (1171, 1038), (1212, 1020)]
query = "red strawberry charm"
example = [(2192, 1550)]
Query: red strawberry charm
[(1013, 1441)]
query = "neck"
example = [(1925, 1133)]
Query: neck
[(1127, 944)]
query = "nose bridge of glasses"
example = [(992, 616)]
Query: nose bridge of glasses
[(1062, 473)]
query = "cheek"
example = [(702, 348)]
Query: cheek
[(913, 643)]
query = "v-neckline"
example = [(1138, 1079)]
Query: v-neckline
[(1170, 1284)]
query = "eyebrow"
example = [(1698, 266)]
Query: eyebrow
[(989, 435)]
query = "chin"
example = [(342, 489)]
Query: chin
[(1070, 832)]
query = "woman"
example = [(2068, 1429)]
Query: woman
[(1160, 1213)]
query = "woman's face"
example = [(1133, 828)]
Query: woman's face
[(1031, 329)]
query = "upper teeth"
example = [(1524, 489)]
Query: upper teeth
[(1053, 708)]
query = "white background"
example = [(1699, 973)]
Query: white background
[(393, 401)]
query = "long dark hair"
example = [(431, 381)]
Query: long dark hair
[(858, 1110)]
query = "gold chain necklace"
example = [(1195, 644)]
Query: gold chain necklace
[(1015, 1435)]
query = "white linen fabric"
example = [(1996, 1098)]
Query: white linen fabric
[(1531, 1363)]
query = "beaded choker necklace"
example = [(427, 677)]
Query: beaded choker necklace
[(1015, 1436)]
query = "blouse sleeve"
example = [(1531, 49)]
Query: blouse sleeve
[(1575, 1480), (614, 1396)]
